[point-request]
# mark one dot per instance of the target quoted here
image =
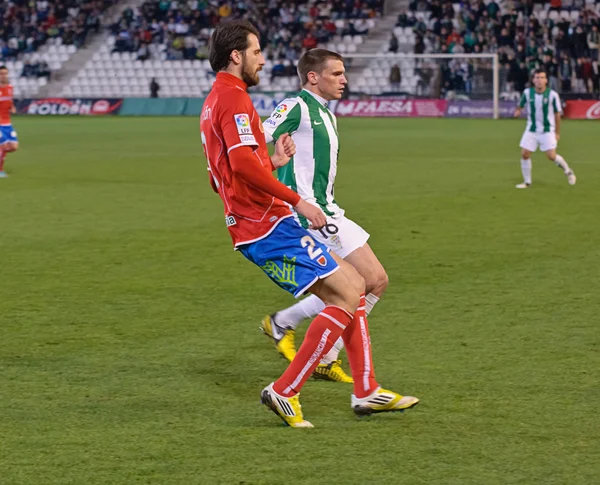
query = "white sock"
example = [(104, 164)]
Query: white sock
[(526, 170), (370, 300), (333, 354), (562, 163), (291, 317)]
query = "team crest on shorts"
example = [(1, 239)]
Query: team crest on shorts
[(322, 260)]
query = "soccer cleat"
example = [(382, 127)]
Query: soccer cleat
[(287, 408), (571, 177), (522, 186), (283, 338), (3, 175), (332, 372), (382, 401)]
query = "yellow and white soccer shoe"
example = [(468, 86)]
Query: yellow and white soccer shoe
[(283, 338), (332, 372), (382, 401), (287, 408)]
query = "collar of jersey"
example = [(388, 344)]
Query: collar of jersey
[(322, 101), (231, 80)]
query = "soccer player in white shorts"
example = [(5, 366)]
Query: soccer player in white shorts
[(311, 173), (543, 127)]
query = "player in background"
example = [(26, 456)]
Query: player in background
[(543, 127), (8, 136), (263, 229), (311, 173)]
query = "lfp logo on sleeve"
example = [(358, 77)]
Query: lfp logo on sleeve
[(242, 121)]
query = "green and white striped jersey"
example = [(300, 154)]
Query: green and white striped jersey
[(311, 172), (541, 108)]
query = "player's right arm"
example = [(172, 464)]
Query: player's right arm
[(284, 119), (521, 104)]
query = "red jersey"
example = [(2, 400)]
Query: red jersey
[(229, 121), (6, 103)]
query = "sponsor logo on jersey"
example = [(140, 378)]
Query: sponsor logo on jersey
[(248, 139), (242, 122), (230, 221), (282, 108), (284, 274), (271, 122)]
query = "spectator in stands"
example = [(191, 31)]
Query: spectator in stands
[(278, 70), (395, 78), (551, 67), (521, 77), (579, 77), (44, 70), (309, 42), (29, 70), (580, 46), (394, 44), (154, 88), (593, 41), (595, 78), (419, 45), (588, 75), (565, 72)]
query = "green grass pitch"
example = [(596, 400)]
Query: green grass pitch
[(129, 343)]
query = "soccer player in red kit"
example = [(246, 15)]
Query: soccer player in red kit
[(8, 136), (263, 229)]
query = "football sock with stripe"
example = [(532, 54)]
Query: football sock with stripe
[(321, 335), (358, 347)]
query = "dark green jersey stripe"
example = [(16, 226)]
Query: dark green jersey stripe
[(532, 109), (545, 103), (523, 101)]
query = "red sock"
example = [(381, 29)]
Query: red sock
[(2, 156), (322, 333), (358, 347)]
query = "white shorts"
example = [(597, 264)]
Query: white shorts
[(341, 235), (546, 141)]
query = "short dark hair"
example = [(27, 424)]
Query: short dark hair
[(540, 71), (314, 61), (228, 37), (3, 67)]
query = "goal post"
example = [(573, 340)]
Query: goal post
[(467, 77)]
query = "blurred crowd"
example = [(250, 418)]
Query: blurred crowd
[(179, 29), (25, 25), (526, 36)]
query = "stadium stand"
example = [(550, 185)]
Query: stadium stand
[(38, 37), (560, 36), (167, 41)]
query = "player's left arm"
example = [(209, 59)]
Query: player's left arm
[(285, 118), (557, 105)]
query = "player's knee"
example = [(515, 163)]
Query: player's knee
[(525, 154), (551, 155), (379, 283), (352, 300)]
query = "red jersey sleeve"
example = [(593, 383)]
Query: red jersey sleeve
[(236, 114)]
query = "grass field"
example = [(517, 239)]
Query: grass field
[(129, 343)]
